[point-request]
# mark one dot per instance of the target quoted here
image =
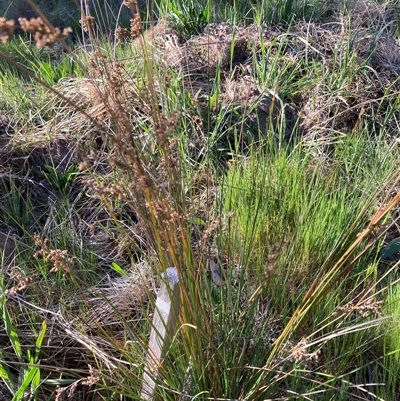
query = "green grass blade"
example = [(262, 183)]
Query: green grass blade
[(32, 372), (39, 340), (117, 268), (11, 332), (5, 375)]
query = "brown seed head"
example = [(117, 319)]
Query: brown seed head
[(136, 26), (43, 34), (6, 29), (87, 23)]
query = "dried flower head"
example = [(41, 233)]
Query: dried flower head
[(136, 22), (93, 377), (300, 355), (165, 127), (20, 282), (68, 392), (60, 261), (130, 4), (136, 26), (57, 257), (43, 34), (87, 23), (122, 34), (6, 29), (364, 309)]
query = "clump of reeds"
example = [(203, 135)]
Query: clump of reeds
[(230, 342)]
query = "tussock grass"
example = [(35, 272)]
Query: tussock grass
[(251, 146)]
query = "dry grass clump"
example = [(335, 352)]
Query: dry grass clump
[(220, 46), (199, 57), (324, 112), (386, 58), (118, 302), (334, 106), (357, 14), (259, 111), (371, 28), (6, 131)]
